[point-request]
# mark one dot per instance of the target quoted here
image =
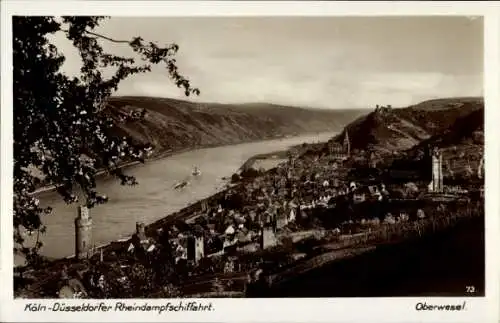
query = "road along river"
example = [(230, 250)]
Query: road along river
[(154, 197)]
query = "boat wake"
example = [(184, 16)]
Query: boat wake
[(181, 185)]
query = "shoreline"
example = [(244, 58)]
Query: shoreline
[(353, 247), (101, 173), (249, 163), (184, 212), (398, 233), (166, 154)]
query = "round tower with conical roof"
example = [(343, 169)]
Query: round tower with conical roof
[(83, 232)]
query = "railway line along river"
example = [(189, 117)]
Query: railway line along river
[(154, 197)]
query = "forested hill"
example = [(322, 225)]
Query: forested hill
[(171, 125), (396, 129)]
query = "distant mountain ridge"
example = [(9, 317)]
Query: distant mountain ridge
[(171, 125), (397, 129), (456, 125)]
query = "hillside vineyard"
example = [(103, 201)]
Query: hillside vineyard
[(392, 183)]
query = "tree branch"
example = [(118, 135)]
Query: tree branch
[(118, 41), (108, 38)]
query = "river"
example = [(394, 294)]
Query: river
[(154, 197)]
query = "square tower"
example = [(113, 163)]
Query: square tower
[(267, 237), (195, 248), (436, 184)]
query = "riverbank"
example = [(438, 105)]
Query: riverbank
[(167, 154), (276, 155), (154, 198), (270, 160), (285, 258), (102, 173)]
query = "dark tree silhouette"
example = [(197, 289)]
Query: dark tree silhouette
[(62, 127)]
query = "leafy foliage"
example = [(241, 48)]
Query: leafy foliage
[(61, 125)]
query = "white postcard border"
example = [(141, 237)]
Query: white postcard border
[(264, 310)]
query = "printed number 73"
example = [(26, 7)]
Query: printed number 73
[(470, 289)]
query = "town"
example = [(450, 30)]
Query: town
[(324, 203)]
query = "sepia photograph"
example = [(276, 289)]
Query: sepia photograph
[(320, 157), (193, 157)]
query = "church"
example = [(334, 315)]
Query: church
[(340, 151)]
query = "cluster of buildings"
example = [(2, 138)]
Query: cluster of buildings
[(266, 205), (250, 215), (257, 213)]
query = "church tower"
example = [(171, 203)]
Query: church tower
[(83, 233)]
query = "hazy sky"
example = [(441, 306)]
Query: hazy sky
[(327, 62)]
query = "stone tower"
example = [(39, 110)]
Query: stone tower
[(83, 233), (372, 160), (267, 237), (195, 248), (346, 144), (204, 206), (140, 231), (437, 171)]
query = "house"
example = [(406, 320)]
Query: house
[(267, 238), (140, 241), (364, 193), (253, 215), (281, 218), (180, 252), (73, 289), (229, 265), (389, 219), (375, 193), (229, 242), (230, 230), (358, 196), (243, 236)]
